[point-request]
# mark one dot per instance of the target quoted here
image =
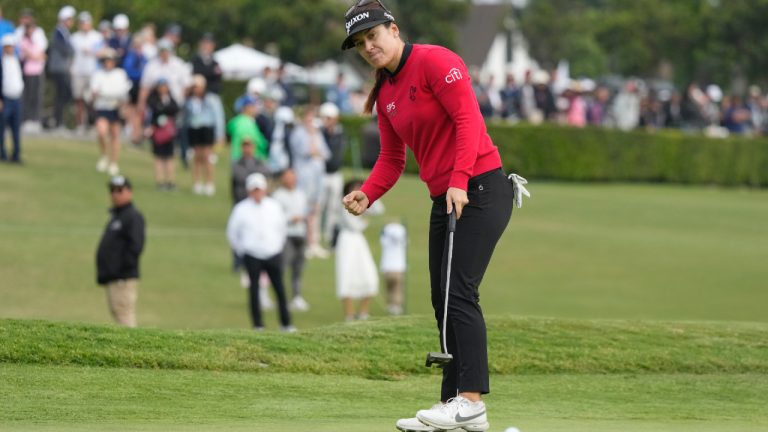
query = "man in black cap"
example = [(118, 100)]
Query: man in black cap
[(117, 258), (204, 64)]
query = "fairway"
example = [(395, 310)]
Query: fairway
[(547, 375), (573, 251)]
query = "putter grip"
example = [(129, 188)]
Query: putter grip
[(452, 220)]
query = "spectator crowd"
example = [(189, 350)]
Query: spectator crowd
[(121, 83), (623, 104)]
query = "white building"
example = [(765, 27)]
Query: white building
[(491, 41)]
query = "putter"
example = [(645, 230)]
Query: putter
[(441, 359)]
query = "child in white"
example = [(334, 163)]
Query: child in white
[(356, 274), (393, 252)]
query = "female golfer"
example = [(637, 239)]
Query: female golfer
[(424, 100)]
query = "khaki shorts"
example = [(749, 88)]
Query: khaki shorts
[(121, 298), (81, 86)]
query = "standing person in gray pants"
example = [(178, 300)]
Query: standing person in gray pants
[(60, 62)]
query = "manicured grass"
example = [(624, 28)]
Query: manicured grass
[(547, 375), (63, 398), (574, 250)]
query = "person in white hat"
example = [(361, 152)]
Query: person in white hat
[(256, 231), (12, 85), (60, 57), (86, 43), (121, 39)]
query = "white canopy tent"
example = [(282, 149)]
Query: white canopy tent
[(239, 62)]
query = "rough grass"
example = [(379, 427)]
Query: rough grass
[(395, 348)]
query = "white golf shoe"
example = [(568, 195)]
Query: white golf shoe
[(414, 425), (458, 412)]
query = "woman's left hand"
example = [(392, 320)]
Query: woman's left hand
[(457, 197)]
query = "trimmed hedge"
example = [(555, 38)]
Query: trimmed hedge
[(597, 154)]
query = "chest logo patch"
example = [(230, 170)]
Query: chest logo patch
[(391, 109), (453, 76)]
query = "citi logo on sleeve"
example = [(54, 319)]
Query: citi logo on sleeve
[(453, 76)]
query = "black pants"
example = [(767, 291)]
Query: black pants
[(274, 268), (63, 96), (478, 230), (32, 98)]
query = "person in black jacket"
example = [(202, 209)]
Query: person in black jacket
[(117, 258), (204, 64)]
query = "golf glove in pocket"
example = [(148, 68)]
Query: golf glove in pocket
[(518, 183)]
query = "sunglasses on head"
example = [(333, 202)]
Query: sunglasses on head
[(362, 3)]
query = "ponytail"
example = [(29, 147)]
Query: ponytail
[(380, 77)]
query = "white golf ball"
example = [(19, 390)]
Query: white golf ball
[(512, 429)]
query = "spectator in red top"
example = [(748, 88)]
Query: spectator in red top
[(424, 99)]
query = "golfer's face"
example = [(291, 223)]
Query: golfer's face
[(378, 46)]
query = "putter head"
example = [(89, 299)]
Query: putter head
[(438, 358)]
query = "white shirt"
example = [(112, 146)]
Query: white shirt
[(110, 88), (13, 81), (87, 46), (393, 248), (178, 74), (257, 229), (295, 205), (38, 36)]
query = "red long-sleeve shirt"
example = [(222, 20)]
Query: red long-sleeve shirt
[(430, 106)]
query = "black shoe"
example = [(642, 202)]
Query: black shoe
[(170, 186), (17, 161)]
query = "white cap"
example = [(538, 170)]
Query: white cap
[(255, 181), (120, 22), (256, 85), (715, 92), (541, 77), (165, 45), (329, 109), (284, 115), (8, 39), (66, 12), (85, 16), (274, 93)]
